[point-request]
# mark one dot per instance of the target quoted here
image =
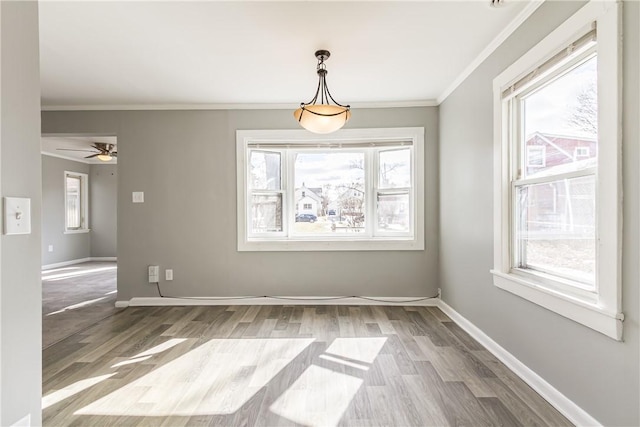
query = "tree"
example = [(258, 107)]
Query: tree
[(584, 116), (351, 201)]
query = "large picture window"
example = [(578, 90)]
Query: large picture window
[(557, 172), (352, 190)]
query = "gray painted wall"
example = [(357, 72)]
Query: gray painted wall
[(596, 372), (66, 247), (20, 290), (185, 163), (103, 202)]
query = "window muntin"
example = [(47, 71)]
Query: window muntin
[(75, 201), (554, 192), (338, 176)]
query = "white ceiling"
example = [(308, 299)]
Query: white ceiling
[(180, 52), (52, 145)]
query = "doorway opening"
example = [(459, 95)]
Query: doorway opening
[(79, 233)]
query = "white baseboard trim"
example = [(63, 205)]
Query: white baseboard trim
[(104, 258), (65, 263), (157, 301), (77, 261), (573, 412), (122, 304)]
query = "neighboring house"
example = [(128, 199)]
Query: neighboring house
[(565, 206), (545, 151), (308, 200)]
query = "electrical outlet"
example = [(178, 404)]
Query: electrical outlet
[(154, 274), (168, 274)]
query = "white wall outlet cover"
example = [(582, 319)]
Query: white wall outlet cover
[(138, 196), (17, 215)]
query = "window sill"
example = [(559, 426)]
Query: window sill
[(81, 231), (585, 313), (331, 245)]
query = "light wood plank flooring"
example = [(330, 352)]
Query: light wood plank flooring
[(283, 366), (75, 297)]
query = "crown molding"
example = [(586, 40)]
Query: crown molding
[(136, 107), (491, 47)]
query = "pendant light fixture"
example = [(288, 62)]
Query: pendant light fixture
[(324, 117)]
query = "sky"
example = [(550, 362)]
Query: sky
[(549, 109)]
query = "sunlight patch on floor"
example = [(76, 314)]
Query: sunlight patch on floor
[(70, 390), (319, 397), (218, 377), (76, 306), (148, 354), (358, 349), (54, 275), (344, 362)]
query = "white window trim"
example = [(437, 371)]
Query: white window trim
[(318, 243), (603, 313), (84, 197)]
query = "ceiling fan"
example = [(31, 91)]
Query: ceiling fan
[(105, 151)]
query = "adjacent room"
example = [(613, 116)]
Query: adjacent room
[(320, 213), (79, 233)]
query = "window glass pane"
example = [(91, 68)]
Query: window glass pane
[(393, 212), (556, 228), (395, 169), (561, 123), (266, 213), (329, 193), (73, 208), (265, 170)]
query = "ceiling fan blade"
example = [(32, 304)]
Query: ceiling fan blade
[(73, 149), (93, 155), (114, 154)]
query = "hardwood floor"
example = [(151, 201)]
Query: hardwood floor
[(283, 366), (75, 297)]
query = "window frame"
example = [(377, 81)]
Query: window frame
[(377, 239), (601, 309), (84, 203)]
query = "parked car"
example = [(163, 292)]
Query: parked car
[(306, 218)]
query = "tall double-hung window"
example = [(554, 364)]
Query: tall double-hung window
[(351, 190), (557, 171), (76, 202)]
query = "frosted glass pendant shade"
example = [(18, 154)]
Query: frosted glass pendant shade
[(104, 157), (327, 118)]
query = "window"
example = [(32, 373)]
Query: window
[(76, 202), (536, 156), (557, 186), (582, 152), (356, 189)]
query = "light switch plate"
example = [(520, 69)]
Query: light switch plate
[(138, 196), (17, 215)]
